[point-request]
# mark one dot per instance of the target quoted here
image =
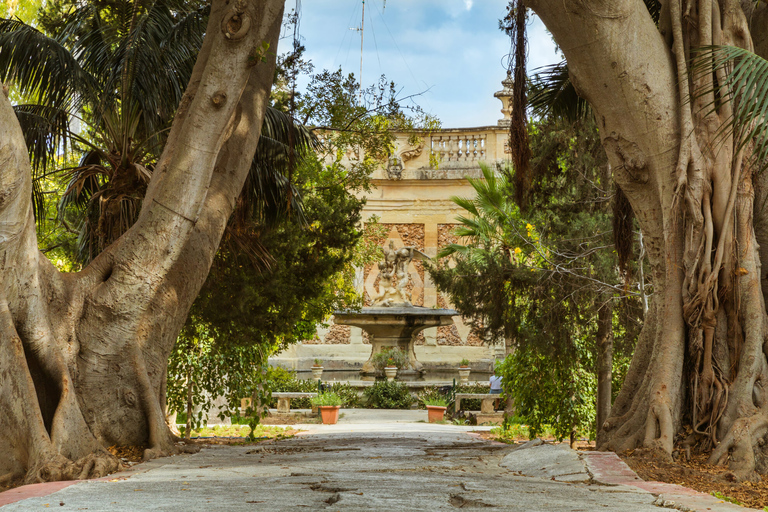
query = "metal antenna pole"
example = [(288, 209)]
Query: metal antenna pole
[(362, 29)]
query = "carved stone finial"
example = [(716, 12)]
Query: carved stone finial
[(505, 95)]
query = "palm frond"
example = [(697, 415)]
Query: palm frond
[(552, 93), (267, 194), (41, 66), (745, 90), (46, 133)]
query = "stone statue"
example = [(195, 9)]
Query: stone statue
[(394, 276)]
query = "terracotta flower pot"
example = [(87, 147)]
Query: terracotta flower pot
[(329, 413), (435, 413)]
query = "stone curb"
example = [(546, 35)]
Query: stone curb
[(607, 468), (47, 488)]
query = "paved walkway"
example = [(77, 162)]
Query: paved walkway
[(370, 460)]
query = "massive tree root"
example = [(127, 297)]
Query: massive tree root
[(700, 365), (83, 356)]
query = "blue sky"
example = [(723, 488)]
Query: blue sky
[(450, 48)]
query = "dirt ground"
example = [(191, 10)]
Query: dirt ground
[(288, 419), (697, 474)]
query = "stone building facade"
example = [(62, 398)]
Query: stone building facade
[(412, 199)]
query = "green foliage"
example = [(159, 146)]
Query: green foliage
[(390, 356), (348, 394), (90, 67), (538, 277), (326, 398), (388, 395), (25, 10), (117, 71), (550, 391), (515, 431), (198, 370), (279, 305), (464, 362), (357, 128)]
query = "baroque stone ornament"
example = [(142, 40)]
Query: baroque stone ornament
[(395, 168), (412, 153), (394, 276)]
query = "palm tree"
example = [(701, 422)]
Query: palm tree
[(119, 70)]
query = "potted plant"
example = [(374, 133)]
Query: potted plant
[(390, 370), (317, 369), (464, 371), (329, 404), (389, 360), (435, 408)]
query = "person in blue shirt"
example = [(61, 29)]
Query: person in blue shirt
[(496, 390)]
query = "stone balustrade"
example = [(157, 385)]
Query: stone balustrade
[(464, 147)]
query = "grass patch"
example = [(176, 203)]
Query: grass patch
[(516, 432), (260, 432), (723, 497)]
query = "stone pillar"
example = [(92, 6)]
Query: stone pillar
[(430, 291), (355, 336)]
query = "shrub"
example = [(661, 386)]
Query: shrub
[(435, 401), (327, 398), (550, 391), (388, 395), (464, 362), (348, 394), (278, 378), (398, 357)]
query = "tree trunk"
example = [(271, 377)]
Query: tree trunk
[(190, 390), (83, 356), (700, 359), (604, 365)]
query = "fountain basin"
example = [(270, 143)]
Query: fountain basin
[(394, 327)]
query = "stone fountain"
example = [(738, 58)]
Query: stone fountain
[(392, 320)]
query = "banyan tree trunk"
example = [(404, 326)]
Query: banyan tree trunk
[(83, 356), (700, 365)]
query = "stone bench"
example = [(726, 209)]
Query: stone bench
[(486, 406), (284, 399)]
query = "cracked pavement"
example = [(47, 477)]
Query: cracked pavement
[(372, 461), (340, 471)]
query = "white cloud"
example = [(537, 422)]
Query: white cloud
[(468, 4)]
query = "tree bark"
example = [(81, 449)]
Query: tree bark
[(700, 360), (604, 365), (83, 356)]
